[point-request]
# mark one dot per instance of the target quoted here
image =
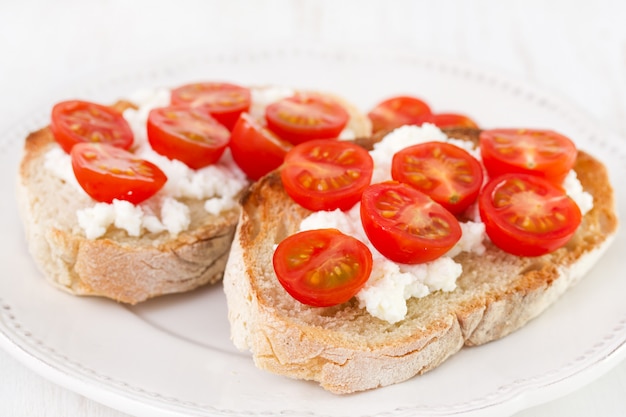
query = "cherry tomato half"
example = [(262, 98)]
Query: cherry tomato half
[(538, 152), (527, 215), (398, 111), (450, 120), (78, 121), (107, 173), (305, 117), (406, 225), (322, 268), (255, 148), (326, 174), (187, 134), (446, 173), (224, 101)]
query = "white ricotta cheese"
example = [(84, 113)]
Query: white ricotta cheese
[(175, 216), (59, 164), (263, 96), (404, 137), (574, 189), (127, 217), (96, 220)]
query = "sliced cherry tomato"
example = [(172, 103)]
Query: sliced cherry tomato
[(450, 120), (398, 111), (446, 173), (81, 121), (255, 148), (406, 225), (327, 174), (187, 134), (322, 268), (107, 173), (224, 101), (538, 152), (527, 215), (306, 116)]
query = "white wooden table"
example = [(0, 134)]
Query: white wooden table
[(575, 49)]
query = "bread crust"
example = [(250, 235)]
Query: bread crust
[(345, 349)]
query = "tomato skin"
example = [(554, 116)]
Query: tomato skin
[(223, 101), (77, 121), (450, 120), (446, 173), (305, 117), (543, 153), (531, 202), (187, 134), (106, 173), (256, 149), (405, 225), (398, 111), (326, 174), (322, 268)]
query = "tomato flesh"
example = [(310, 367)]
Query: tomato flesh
[(187, 134), (527, 215), (256, 149), (106, 173), (304, 117), (446, 173), (406, 225), (542, 153), (322, 268), (223, 101), (78, 121), (451, 120), (398, 111), (326, 175)]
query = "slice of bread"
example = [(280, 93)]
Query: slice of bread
[(346, 349), (124, 268)]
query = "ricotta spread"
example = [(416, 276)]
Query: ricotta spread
[(391, 284)]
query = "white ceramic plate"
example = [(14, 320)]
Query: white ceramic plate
[(172, 356)]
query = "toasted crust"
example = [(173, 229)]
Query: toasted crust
[(117, 266), (347, 350)]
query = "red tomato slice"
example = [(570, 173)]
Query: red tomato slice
[(326, 174), (406, 225), (322, 268), (527, 215), (106, 173), (77, 121), (187, 134), (398, 111), (255, 149), (446, 173), (538, 152), (224, 101), (450, 120), (305, 117)]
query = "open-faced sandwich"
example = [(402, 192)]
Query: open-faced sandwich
[(360, 269), (139, 199)]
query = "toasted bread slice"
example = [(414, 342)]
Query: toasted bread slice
[(346, 349), (124, 268)]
